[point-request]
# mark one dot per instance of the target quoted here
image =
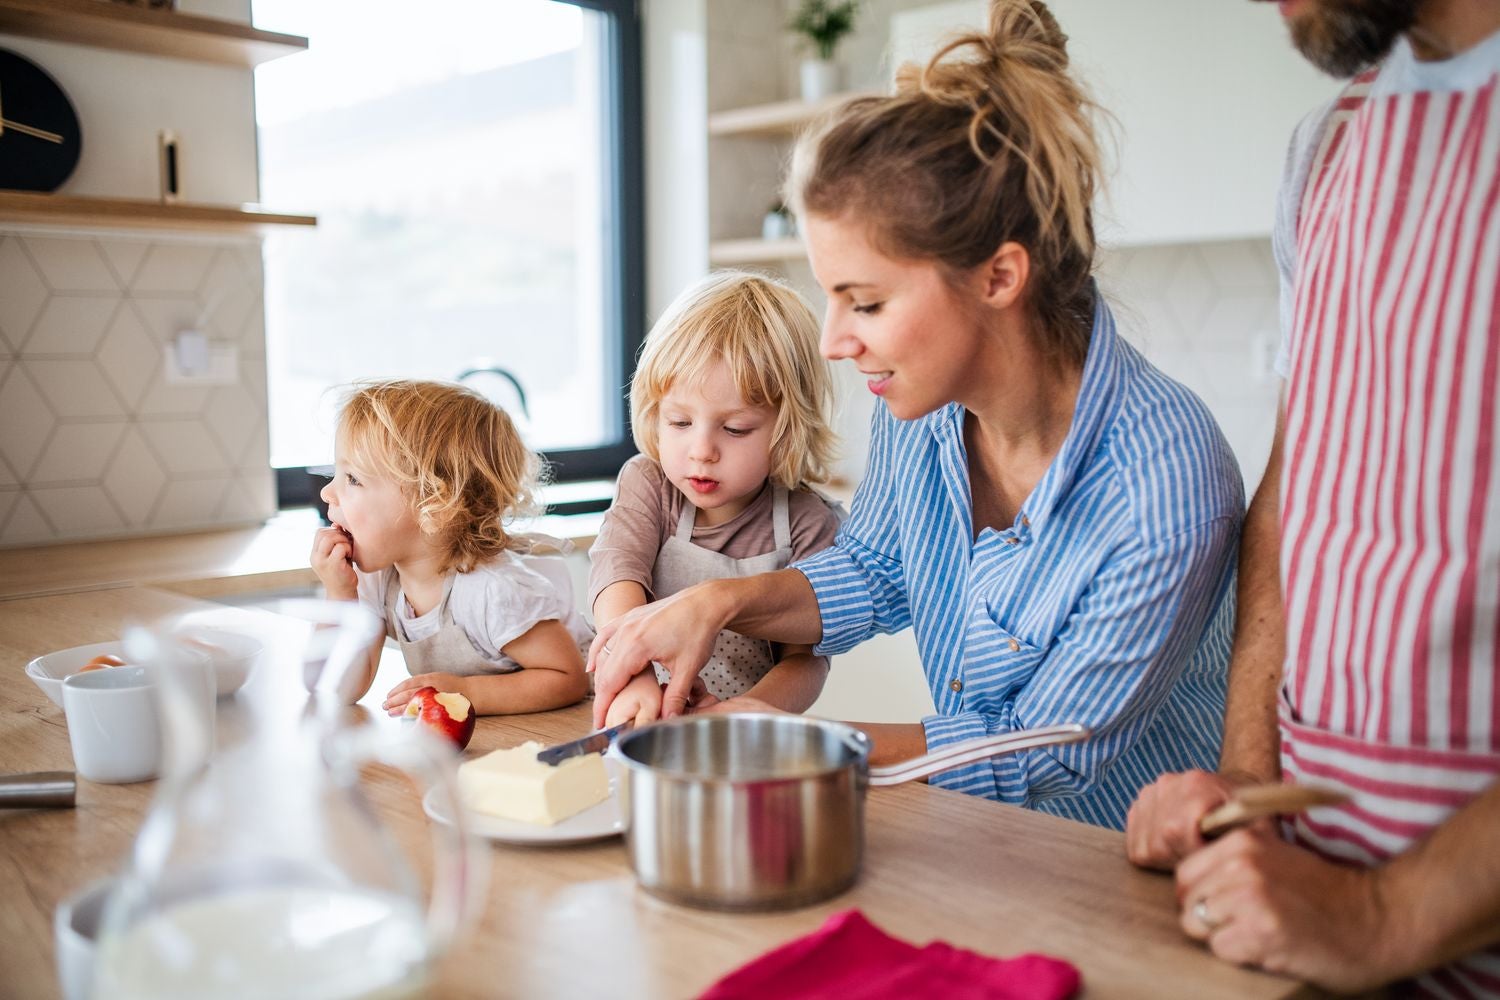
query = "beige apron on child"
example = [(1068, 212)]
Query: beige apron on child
[(738, 662), (447, 650)]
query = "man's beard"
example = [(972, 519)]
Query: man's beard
[(1343, 37)]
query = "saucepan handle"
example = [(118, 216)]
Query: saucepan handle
[(970, 751)]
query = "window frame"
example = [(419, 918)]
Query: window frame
[(625, 294)]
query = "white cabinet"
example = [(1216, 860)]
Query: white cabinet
[(1206, 95)]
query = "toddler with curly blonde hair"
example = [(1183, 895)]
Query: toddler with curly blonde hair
[(427, 477)]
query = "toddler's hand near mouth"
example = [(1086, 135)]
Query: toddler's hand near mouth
[(332, 552)]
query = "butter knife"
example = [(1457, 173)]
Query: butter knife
[(592, 743)]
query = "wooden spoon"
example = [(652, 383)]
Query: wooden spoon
[(1254, 801)]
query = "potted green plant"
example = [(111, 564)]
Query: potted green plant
[(822, 24)]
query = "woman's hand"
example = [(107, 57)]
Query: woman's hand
[(330, 561), (678, 632), (398, 696), (1257, 900)]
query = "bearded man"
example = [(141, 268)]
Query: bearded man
[(1367, 653)]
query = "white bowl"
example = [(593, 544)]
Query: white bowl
[(49, 670), (231, 654)]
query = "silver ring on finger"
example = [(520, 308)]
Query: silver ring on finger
[(607, 649), (1201, 914)]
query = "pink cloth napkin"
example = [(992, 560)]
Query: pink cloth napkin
[(852, 959)]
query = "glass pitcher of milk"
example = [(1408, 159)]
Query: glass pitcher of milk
[(261, 870)]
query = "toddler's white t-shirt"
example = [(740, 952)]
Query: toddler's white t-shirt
[(495, 604)]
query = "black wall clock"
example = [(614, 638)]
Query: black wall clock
[(39, 136)]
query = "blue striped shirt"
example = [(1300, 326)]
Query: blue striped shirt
[(1109, 601)]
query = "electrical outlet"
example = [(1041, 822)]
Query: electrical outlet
[(193, 359)]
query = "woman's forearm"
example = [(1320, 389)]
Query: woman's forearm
[(893, 742), (779, 606)]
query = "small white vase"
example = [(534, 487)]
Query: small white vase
[(776, 226), (820, 79)]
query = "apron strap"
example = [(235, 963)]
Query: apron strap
[(446, 617), (393, 594), (781, 522), (392, 591), (685, 520)]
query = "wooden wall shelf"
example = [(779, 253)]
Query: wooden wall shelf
[(124, 213), (781, 118), (727, 253), (103, 24)]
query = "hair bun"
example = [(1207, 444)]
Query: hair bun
[(992, 141), (1013, 79), (970, 67)]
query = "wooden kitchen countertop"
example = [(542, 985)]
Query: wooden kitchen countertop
[(570, 921), (271, 556)]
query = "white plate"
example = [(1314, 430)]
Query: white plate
[(597, 822), (49, 670)]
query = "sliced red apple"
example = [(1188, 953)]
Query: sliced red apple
[(446, 713)]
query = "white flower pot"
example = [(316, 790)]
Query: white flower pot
[(820, 78), (776, 226)]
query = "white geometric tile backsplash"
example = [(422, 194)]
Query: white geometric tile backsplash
[(1206, 314), (94, 441)]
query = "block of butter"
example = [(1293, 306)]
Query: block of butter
[(514, 785)]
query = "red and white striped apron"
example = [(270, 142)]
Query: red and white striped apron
[(1390, 501)]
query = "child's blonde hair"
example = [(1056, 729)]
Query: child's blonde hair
[(768, 337), (456, 456)]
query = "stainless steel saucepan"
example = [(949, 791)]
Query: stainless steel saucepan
[(760, 812)]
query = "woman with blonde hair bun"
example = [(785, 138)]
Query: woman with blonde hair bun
[(1054, 518)]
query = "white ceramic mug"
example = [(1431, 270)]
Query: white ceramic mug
[(75, 927), (112, 724)]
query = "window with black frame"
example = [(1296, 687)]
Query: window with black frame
[(476, 172)]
